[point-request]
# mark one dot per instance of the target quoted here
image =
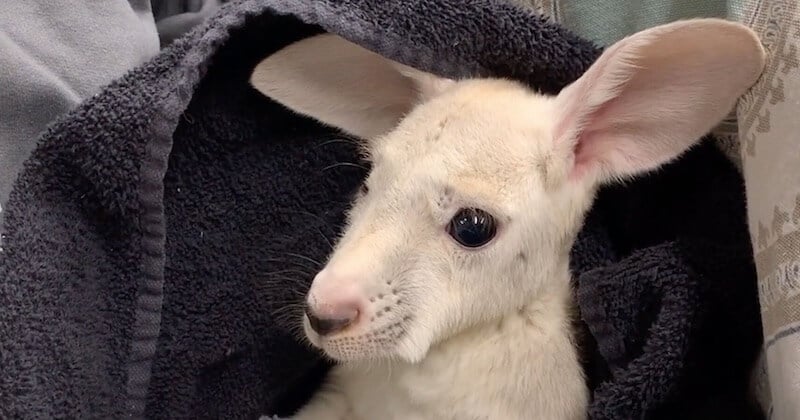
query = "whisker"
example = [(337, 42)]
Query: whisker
[(337, 140), (296, 263), (288, 308), (280, 280), (330, 243), (285, 271), (309, 259), (295, 330), (289, 317), (281, 291), (350, 164), (321, 221), (319, 229)]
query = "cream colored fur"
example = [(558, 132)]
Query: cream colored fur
[(445, 332)]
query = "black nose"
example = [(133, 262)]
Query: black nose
[(325, 326)]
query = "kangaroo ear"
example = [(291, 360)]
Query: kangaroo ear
[(343, 85), (651, 96)]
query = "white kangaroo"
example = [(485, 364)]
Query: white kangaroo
[(448, 294)]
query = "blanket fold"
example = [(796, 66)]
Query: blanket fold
[(162, 235)]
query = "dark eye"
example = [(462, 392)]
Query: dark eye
[(472, 227)]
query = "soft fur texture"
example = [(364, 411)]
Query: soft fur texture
[(161, 238), (426, 307)]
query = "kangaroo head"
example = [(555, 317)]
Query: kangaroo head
[(478, 187)]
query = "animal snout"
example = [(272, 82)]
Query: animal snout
[(332, 305), (333, 321)]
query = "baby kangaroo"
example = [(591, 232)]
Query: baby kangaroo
[(448, 294)]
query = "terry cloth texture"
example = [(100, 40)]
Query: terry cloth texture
[(162, 235), (55, 53)]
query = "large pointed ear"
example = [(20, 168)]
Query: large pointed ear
[(651, 96), (343, 85)]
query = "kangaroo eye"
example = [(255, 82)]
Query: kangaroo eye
[(472, 227)]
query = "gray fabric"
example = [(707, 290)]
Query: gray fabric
[(175, 18), (166, 8), (53, 54), (164, 231)]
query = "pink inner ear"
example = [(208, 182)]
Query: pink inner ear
[(651, 96), (592, 143), (581, 163), (581, 127)]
